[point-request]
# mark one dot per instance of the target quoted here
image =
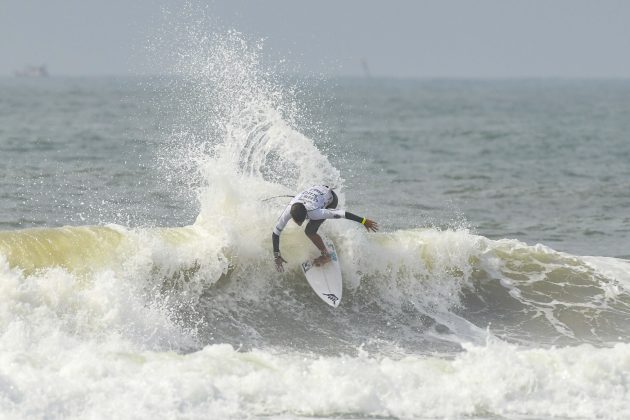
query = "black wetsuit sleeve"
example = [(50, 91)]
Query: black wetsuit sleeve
[(354, 217), (275, 239)]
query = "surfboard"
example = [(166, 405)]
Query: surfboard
[(325, 280)]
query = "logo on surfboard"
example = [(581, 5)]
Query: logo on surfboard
[(331, 296), (306, 266)]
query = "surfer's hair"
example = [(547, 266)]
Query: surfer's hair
[(298, 212)]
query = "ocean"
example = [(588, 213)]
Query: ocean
[(136, 269)]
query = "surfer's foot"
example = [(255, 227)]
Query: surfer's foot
[(324, 259)]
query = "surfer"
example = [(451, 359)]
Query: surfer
[(317, 203)]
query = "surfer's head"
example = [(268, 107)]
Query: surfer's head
[(298, 213)]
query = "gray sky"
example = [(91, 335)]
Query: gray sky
[(437, 38)]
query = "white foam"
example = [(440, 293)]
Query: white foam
[(428, 264), (612, 268), (496, 379)]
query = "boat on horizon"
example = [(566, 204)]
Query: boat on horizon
[(32, 71)]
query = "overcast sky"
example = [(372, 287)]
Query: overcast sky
[(438, 38)]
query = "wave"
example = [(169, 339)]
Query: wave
[(414, 290), (426, 282), (73, 248)]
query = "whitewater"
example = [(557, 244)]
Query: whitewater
[(107, 312)]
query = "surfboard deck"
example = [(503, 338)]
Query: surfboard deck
[(325, 280)]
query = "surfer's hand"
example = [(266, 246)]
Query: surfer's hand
[(279, 260), (371, 225)]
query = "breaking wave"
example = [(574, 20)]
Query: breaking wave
[(195, 322)]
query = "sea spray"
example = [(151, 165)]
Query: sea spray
[(239, 117)]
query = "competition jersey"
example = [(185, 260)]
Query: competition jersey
[(315, 199)]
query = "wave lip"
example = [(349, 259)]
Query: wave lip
[(75, 248)]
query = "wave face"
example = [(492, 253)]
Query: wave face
[(426, 281), (101, 321), (191, 319)]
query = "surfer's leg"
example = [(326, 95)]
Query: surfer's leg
[(311, 232), (312, 227)]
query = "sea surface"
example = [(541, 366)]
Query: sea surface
[(136, 269)]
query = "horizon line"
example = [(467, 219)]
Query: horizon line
[(334, 76)]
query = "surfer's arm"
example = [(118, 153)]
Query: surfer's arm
[(369, 224), (338, 214), (354, 217), (319, 214), (275, 237), (275, 240), (282, 221)]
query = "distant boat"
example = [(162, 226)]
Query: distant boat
[(32, 71)]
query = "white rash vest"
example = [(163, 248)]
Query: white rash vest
[(315, 199)]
